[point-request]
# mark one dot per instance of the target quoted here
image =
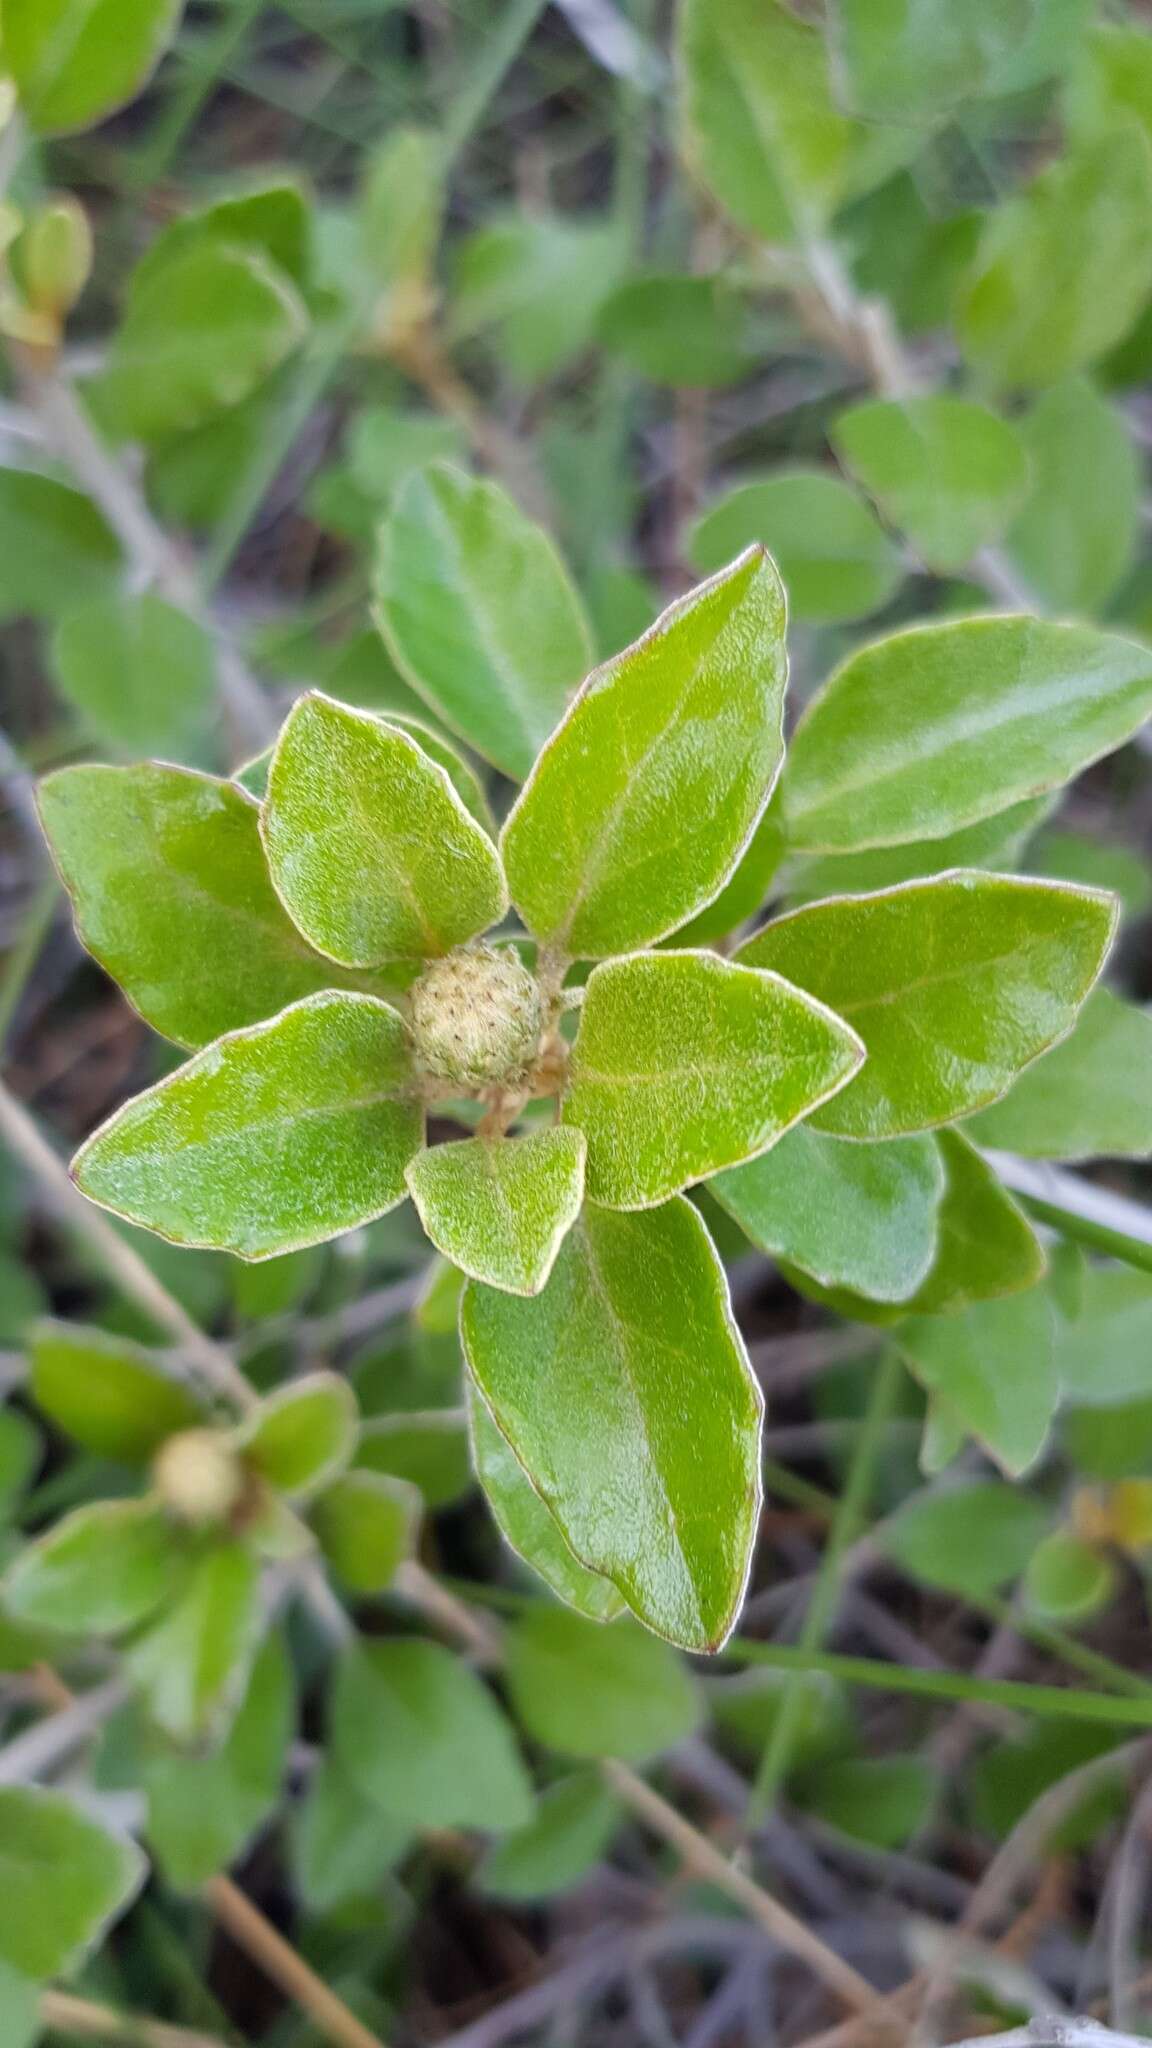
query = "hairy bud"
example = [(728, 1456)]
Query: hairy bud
[(476, 1017), (199, 1477)]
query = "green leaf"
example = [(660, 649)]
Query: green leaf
[(626, 1395), (539, 280), (76, 61), (276, 1137), (200, 333), (954, 984), (971, 1539), (500, 1208), (987, 1247), (106, 1393), (204, 1810), (141, 674), (1103, 1353), (883, 1800), (366, 1525), (948, 473), (994, 843), (744, 893), (56, 550), (909, 61), (685, 1063), (461, 775), (1090, 1097), (268, 214), (479, 614), (21, 1451), (1068, 1579), (419, 1733), (342, 1845), (370, 849), (100, 1570), (644, 799), (574, 1825), (277, 1286), (594, 1691), (19, 2009), (400, 217), (527, 1524), (942, 725), (429, 1450), (64, 1877), (171, 895), (1098, 863), (192, 1665), (833, 557), (995, 1368), (1076, 533), (689, 331), (1064, 268), (304, 1434), (856, 1216)]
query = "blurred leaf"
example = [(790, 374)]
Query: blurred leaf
[(593, 1690), (385, 446), (276, 1286), (955, 984), (626, 1395), (303, 1435), (993, 843), (538, 280), (750, 1706), (267, 213), (881, 1800), (987, 1247), (1110, 1443), (605, 848), (203, 1810), (76, 61), (64, 1876), (22, 1299), (192, 1665), (907, 60), (526, 1523), (479, 614), (946, 472), (835, 561), (1068, 1579), (142, 675), (500, 1208), (366, 1524), (106, 1393), (429, 1450), (399, 220), (56, 550), (1090, 1097), (909, 253), (1078, 530), (574, 1825), (1012, 1775), (343, 1844), (971, 1539), (1064, 268), (420, 1734), (19, 2009), (204, 1157), (994, 1366), (98, 1571), (1099, 863), (687, 331), (1103, 1354), (20, 1454)]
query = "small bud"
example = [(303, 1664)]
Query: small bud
[(199, 1477), (55, 256), (476, 1017)]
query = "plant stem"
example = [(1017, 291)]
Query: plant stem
[(849, 1516), (23, 954), (48, 1742), (117, 1256), (65, 2014), (249, 1929)]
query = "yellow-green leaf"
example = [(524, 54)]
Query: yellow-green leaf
[(527, 1524), (500, 1208)]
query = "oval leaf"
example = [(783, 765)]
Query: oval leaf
[(100, 1570), (479, 614), (141, 673), (685, 1063), (64, 1877), (76, 61), (626, 1395), (574, 1825), (106, 1393), (946, 472), (527, 1524), (500, 1208), (598, 1691), (955, 984), (940, 726), (304, 1434), (273, 1138), (204, 1810), (641, 804), (366, 1525), (833, 557), (995, 1369), (370, 849)]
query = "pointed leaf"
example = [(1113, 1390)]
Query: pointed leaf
[(75, 61), (527, 1524), (574, 1825), (995, 1366), (171, 894), (940, 726), (685, 1063), (643, 801), (479, 614), (203, 1810), (192, 1665), (275, 1137), (369, 846), (955, 984), (857, 1216), (106, 1393), (500, 1208), (366, 1525), (420, 1734), (64, 1878), (100, 1570), (946, 472), (834, 559), (626, 1395), (268, 213), (593, 1691), (1090, 1097), (304, 1434)]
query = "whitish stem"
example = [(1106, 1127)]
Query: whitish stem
[(81, 2019), (38, 1751)]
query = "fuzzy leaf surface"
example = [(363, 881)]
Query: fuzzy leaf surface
[(856, 1216), (65, 1877), (626, 1395), (644, 799), (369, 846), (171, 895), (480, 614), (106, 1393), (527, 1524), (500, 1208), (955, 984), (276, 1137), (942, 725), (685, 1063), (945, 471)]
